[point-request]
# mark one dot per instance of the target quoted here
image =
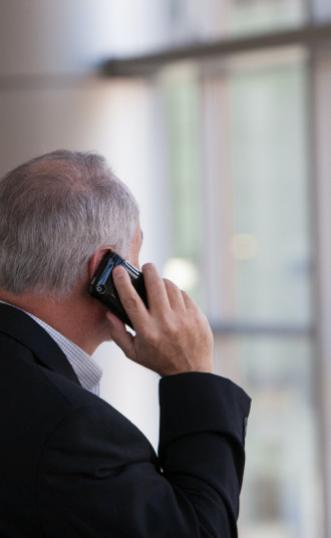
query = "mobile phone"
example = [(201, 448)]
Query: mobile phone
[(103, 288)]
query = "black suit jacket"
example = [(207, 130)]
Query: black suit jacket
[(73, 466)]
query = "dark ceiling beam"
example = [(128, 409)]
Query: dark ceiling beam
[(145, 64)]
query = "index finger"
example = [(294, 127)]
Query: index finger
[(131, 302)]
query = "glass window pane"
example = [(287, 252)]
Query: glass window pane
[(270, 243), (258, 124), (239, 166), (281, 496)]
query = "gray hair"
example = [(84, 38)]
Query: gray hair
[(55, 211)]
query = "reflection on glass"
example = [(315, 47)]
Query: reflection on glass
[(281, 497)]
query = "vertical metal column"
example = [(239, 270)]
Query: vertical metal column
[(320, 116)]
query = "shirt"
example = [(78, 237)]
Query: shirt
[(85, 367)]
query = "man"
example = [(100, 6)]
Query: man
[(70, 464)]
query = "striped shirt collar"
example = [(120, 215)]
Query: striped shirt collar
[(85, 367)]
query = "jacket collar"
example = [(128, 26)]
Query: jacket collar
[(22, 328)]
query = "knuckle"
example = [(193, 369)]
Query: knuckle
[(171, 327), (131, 302), (152, 337), (168, 330), (149, 331)]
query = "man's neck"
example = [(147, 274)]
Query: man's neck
[(70, 317)]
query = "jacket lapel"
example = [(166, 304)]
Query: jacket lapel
[(22, 328)]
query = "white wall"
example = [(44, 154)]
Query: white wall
[(51, 97)]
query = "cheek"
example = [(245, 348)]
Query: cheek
[(133, 256), (135, 261)]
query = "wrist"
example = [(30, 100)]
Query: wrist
[(197, 369)]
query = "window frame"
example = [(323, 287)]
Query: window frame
[(314, 37)]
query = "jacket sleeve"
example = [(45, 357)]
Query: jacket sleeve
[(100, 477)]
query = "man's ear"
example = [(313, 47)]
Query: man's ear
[(95, 261)]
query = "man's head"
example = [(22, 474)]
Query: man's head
[(55, 212), (58, 214)]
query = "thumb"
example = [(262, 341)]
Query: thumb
[(120, 335)]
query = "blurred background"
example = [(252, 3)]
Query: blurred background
[(217, 115)]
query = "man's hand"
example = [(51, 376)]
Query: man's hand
[(173, 336)]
